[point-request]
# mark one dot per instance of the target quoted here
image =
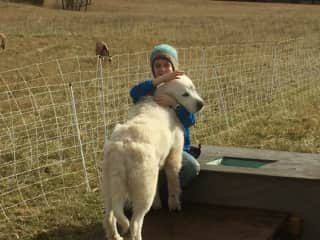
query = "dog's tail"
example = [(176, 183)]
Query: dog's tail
[(118, 190)]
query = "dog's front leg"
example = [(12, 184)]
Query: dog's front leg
[(172, 168)]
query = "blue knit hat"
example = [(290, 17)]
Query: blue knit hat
[(164, 51)]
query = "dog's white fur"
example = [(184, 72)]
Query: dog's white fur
[(151, 139)]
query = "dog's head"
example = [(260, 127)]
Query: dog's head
[(184, 91)]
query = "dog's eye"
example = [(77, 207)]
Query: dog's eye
[(186, 94)]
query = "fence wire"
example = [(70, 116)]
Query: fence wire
[(55, 116)]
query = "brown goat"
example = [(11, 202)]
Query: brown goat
[(3, 40), (103, 51)]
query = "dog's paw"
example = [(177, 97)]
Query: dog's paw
[(174, 203), (114, 237), (117, 237)]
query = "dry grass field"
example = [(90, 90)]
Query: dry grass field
[(37, 35), (41, 34)]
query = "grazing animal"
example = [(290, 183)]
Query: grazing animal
[(102, 50), (150, 140), (3, 40)]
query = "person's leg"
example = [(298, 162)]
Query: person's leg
[(189, 170)]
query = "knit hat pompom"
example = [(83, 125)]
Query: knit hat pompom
[(164, 51)]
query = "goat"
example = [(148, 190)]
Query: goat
[(102, 50)]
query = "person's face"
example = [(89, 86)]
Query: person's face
[(161, 66)]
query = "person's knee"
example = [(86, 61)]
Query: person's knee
[(191, 166), (190, 169)]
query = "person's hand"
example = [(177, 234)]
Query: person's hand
[(167, 77), (165, 100)]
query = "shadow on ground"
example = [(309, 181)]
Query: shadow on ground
[(195, 221), (89, 232)]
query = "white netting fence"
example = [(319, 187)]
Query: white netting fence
[(54, 116)]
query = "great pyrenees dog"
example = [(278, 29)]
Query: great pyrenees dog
[(150, 140)]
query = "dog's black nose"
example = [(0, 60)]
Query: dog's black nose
[(199, 105)]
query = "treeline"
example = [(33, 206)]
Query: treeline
[(35, 2), (280, 1), (64, 4), (75, 4)]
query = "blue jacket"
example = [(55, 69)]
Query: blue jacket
[(187, 119)]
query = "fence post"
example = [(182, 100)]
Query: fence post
[(99, 76), (73, 106), (275, 70)]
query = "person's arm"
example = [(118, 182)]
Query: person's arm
[(142, 89), (186, 118), (167, 77)]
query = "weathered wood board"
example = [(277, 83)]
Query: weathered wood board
[(210, 222)]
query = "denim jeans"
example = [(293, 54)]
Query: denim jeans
[(189, 170)]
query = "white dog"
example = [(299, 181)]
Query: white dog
[(151, 139)]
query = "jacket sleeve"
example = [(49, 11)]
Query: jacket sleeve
[(187, 119), (142, 89)]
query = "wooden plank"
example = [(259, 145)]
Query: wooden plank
[(206, 221), (286, 164)]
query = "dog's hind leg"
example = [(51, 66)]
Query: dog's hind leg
[(136, 224), (140, 209), (110, 225), (114, 205), (172, 168), (142, 185), (119, 198), (110, 220)]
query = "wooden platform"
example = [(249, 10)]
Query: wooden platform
[(210, 222), (285, 164), (290, 183)]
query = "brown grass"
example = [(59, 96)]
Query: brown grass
[(35, 36), (40, 34)]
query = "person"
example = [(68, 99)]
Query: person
[(164, 67)]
